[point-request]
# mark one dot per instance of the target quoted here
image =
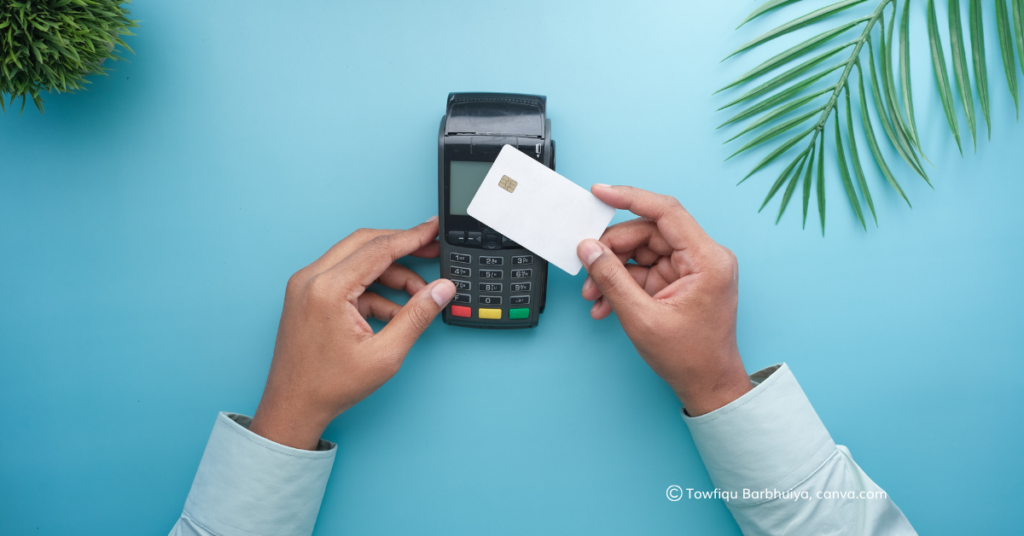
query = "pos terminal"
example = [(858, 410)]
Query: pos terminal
[(499, 284)]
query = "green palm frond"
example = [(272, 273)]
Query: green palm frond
[(805, 97)]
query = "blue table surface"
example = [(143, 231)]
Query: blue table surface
[(148, 226)]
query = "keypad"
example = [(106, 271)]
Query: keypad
[(483, 290), (487, 274)]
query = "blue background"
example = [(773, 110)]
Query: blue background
[(148, 226)]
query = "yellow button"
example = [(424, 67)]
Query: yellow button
[(493, 314)]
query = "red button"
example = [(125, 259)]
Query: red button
[(464, 312)]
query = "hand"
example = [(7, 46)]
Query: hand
[(327, 358), (677, 303)]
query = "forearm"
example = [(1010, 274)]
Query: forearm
[(783, 474), (247, 484)]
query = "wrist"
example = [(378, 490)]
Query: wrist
[(708, 390), (287, 425)]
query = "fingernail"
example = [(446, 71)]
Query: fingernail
[(590, 250), (432, 218), (443, 292), (587, 283), (601, 185)]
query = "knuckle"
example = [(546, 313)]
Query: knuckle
[(724, 269), (419, 318), (295, 282), (362, 232), (319, 290), (605, 272), (389, 364), (382, 242)]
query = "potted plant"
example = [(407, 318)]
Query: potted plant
[(52, 45)]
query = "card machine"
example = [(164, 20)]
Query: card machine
[(499, 284)]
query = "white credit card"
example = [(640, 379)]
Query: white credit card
[(538, 208)]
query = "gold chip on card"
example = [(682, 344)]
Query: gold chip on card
[(507, 184)]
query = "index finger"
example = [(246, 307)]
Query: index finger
[(675, 224), (361, 268)]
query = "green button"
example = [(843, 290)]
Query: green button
[(519, 313)]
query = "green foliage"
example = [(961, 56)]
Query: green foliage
[(51, 45), (812, 89)]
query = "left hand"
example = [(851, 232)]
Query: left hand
[(327, 358)]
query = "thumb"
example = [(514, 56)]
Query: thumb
[(417, 314), (618, 287)]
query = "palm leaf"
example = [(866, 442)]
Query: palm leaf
[(801, 22), (1018, 29), (963, 85), (856, 159), (788, 92), (821, 184), (941, 76), (1006, 48), (774, 4), (908, 102), (781, 180), (787, 76), (807, 184), (844, 172), (891, 127), (789, 189), (978, 54)]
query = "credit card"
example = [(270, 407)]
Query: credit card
[(538, 208)]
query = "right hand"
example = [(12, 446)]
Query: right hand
[(678, 302)]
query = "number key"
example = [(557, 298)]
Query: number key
[(489, 274)]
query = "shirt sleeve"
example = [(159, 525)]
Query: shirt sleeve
[(776, 466), (248, 485)]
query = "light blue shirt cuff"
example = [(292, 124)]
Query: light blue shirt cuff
[(769, 438), (247, 484)]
